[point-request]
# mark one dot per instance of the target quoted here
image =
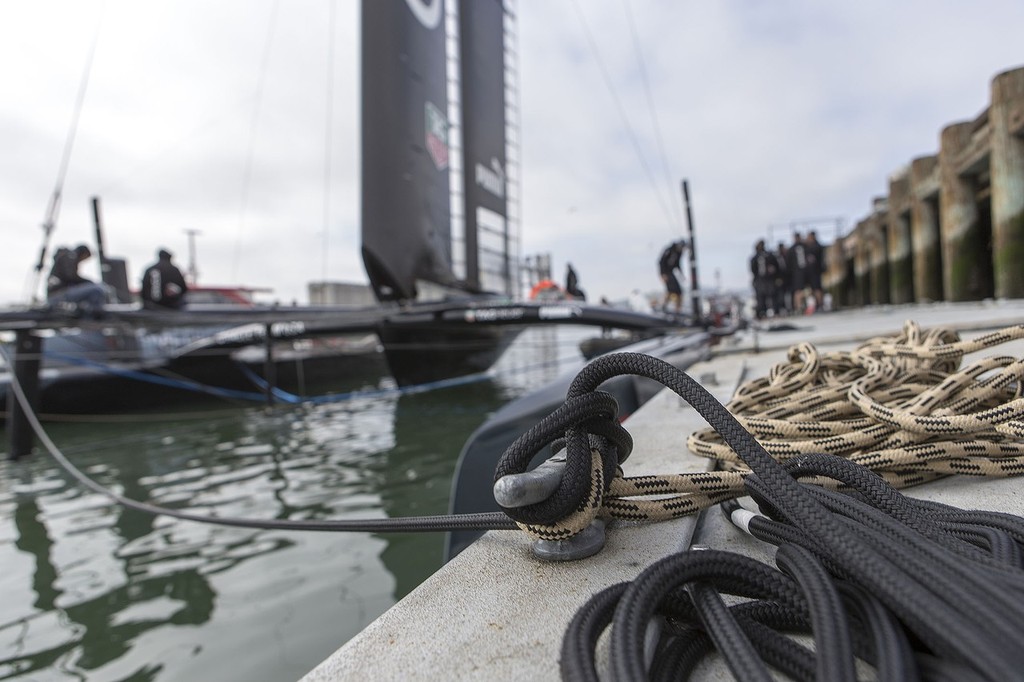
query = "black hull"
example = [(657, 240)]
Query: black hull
[(90, 391), (420, 354), (215, 350)]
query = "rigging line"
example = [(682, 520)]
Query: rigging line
[(250, 152), (328, 131), (677, 212), (622, 111), (156, 377), (53, 209)]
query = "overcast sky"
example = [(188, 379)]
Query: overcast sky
[(212, 116)]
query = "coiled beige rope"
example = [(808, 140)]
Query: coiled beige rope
[(902, 406)]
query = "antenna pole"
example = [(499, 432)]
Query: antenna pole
[(694, 290), (193, 274), (101, 255)]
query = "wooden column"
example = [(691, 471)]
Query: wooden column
[(27, 359), (1006, 116), (924, 229), (965, 262), (899, 254)]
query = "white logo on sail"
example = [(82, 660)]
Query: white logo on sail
[(427, 12), (491, 179)]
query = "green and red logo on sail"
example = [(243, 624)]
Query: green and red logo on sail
[(437, 136)]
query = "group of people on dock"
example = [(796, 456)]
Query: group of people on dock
[(163, 285), (787, 281)]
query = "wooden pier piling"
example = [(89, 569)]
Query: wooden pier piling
[(26, 362), (1006, 119), (269, 370), (925, 235)]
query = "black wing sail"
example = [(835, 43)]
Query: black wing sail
[(485, 174), (406, 217)]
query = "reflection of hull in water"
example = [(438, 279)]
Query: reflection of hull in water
[(412, 470)]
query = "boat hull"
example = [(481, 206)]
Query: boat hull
[(429, 352)]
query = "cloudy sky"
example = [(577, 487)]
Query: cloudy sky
[(214, 117)]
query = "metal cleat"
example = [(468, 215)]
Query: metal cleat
[(536, 485), (530, 487), (587, 542)]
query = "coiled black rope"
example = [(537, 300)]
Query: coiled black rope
[(917, 590)]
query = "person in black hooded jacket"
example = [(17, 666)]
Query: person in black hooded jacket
[(668, 263), (763, 269), (163, 285)]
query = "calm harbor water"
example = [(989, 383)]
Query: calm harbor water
[(92, 591)]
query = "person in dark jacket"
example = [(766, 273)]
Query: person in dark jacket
[(66, 285), (815, 266), (783, 296), (668, 263), (163, 285), (572, 283), (798, 274), (763, 269)]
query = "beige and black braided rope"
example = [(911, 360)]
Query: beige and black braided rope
[(903, 406)]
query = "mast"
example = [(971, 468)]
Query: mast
[(101, 253), (694, 288), (113, 271), (485, 175), (406, 216)]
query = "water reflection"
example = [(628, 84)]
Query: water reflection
[(105, 580), (415, 474), (34, 540)]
